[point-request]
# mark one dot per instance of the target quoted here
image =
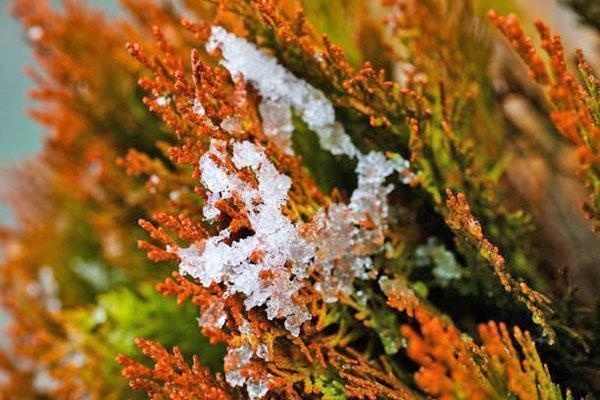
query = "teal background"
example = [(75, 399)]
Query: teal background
[(20, 137)]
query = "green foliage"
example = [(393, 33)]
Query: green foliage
[(429, 267), (110, 326), (370, 309), (330, 388)]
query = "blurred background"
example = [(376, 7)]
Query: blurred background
[(19, 136)]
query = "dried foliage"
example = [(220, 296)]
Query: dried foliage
[(305, 210), (171, 377), (452, 366), (575, 107)]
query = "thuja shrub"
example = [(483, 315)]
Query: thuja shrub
[(268, 199)]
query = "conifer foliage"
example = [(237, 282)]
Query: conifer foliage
[(281, 199)]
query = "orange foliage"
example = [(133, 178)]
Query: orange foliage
[(448, 369), (463, 223), (172, 377), (574, 107)]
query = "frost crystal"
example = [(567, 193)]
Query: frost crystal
[(340, 239), (280, 88), (213, 317), (275, 237), (198, 108), (277, 84), (262, 351), (277, 123), (269, 262), (235, 360), (256, 389), (231, 124), (163, 101)]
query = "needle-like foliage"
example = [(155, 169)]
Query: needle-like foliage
[(301, 200)]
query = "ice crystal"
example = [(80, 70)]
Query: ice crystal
[(231, 124), (342, 246), (334, 239), (256, 388), (277, 84), (338, 266), (198, 108), (214, 317), (275, 237), (277, 123), (280, 88), (236, 359), (262, 351), (163, 101)]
